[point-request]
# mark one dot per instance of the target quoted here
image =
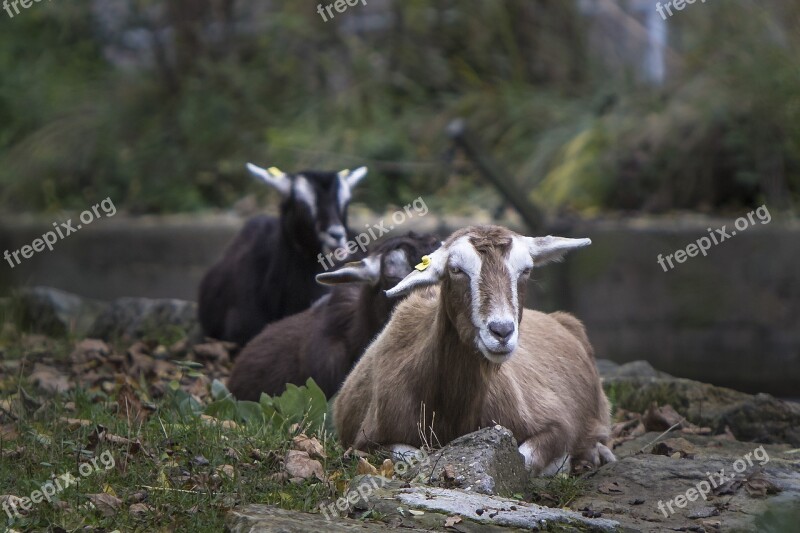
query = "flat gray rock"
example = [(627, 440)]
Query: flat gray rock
[(486, 461)]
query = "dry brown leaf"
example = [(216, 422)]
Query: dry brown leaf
[(8, 432), (662, 418), (298, 464), (387, 469), (213, 351), (225, 424), (676, 448), (610, 488), (227, 471), (89, 350), (49, 379), (758, 486), (12, 454), (75, 423), (130, 406), (107, 504), (13, 502), (350, 453), (140, 511), (452, 520), (365, 468), (309, 445)]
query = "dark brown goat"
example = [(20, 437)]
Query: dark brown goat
[(325, 341)]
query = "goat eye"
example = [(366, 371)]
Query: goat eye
[(525, 272), (456, 270)]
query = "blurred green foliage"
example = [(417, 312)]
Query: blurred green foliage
[(202, 86)]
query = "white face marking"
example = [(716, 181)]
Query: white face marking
[(331, 243), (464, 256), (396, 265), (304, 192), (344, 194)]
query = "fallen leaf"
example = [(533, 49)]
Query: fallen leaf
[(199, 460), (610, 488), (213, 351), (758, 486), (89, 350), (224, 424), (140, 511), (107, 504), (298, 464), (12, 454), (387, 469), (310, 445), (675, 448), (662, 418), (226, 470), (365, 468), (130, 406), (8, 433), (350, 453), (75, 423), (49, 379), (452, 520), (416, 513)]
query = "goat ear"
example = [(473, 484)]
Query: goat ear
[(353, 177), (272, 177), (365, 271), (429, 274), (545, 250)]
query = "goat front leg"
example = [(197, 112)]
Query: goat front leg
[(537, 463), (593, 457)]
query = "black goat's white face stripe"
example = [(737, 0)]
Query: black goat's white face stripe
[(304, 192), (344, 194)]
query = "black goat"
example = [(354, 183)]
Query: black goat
[(324, 342), (267, 272)]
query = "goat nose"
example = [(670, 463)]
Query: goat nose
[(502, 330), (336, 233)]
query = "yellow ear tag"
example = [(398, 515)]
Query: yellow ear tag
[(276, 172), (344, 173), (426, 262)]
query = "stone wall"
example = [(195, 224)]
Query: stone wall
[(731, 318)]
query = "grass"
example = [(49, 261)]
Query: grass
[(136, 408), (172, 471)]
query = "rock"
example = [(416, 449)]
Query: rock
[(761, 418), (138, 318), (634, 369), (486, 461), (499, 511), (258, 518), (52, 312), (642, 474), (429, 507)]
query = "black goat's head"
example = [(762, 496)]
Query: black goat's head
[(315, 203), (387, 264)]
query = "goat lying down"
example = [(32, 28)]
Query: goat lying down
[(325, 341), (463, 354)]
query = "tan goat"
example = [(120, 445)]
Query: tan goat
[(465, 355)]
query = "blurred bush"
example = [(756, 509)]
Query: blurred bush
[(159, 104)]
